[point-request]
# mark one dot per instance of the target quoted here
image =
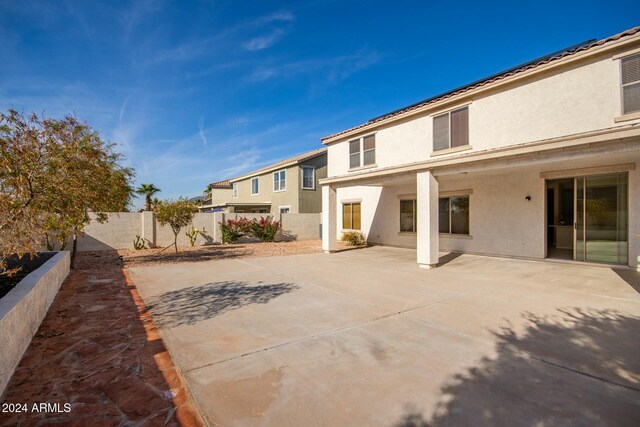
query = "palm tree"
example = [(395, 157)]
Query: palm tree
[(148, 190)]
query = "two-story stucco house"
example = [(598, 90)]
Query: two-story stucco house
[(540, 161), (288, 186)]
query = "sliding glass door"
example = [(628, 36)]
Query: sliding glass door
[(601, 219)]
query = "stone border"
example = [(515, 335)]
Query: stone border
[(188, 412), (24, 307)]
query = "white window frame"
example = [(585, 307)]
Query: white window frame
[(234, 190), (361, 150), (351, 203), (449, 148), (622, 86), (257, 181), (449, 196), (280, 181), (313, 177), (288, 207)]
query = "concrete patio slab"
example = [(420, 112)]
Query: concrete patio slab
[(364, 337)]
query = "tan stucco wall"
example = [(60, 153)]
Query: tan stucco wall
[(220, 196), (580, 98), (310, 201), (288, 197)]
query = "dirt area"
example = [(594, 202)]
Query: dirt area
[(126, 258), (27, 264)]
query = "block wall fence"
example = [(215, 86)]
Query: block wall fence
[(121, 229)]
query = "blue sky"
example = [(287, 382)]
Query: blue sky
[(194, 92)]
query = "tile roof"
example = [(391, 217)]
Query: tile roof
[(488, 80), (221, 184), (289, 161)]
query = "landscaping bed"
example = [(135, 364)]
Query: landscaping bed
[(27, 265), (126, 258)]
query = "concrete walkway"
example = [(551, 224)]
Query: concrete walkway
[(364, 337)]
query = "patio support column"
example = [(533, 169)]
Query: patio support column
[(329, 220), (427, 219)]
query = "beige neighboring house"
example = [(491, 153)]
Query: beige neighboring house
[(541, 161), (288, 186)]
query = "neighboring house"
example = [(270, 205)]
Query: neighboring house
[(539, 161), (220, 193), (288, 186)]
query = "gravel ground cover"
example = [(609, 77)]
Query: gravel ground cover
[(127, 258)]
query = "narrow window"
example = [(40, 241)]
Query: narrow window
[(234, 191), (308, 178), (630, 84), (279, 181), (354, 154), (369, 150), (451, 129), (408, 216), (453, 215), (351, 216), (255, 186), (284, 209)]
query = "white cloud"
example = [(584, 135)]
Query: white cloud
[(336, 69), (263, 42)]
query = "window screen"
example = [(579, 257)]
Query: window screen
[(441, 132), (630, 84), (308, 179), (354, 154), (460, 127), (369, 143)]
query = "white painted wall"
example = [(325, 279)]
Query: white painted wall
[(502, 221), (573, 100)]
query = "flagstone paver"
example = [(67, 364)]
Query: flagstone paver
[(98, 352)]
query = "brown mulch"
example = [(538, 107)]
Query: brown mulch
[(99, 353), (126, 258)]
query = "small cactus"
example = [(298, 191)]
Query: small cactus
[(138, 243), (192, 234)]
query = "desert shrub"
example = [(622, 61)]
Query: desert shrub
[(354, 238), (176, 214), (265, 229)]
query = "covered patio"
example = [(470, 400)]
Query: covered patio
[(498, 202)]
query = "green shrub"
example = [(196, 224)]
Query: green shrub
[(354, 238)]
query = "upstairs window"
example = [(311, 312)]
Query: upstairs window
[(234, 191), (362, 152), (308, 178), (255, 186), (630, 68), (279, 181), (451, 129), (354, 154)]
